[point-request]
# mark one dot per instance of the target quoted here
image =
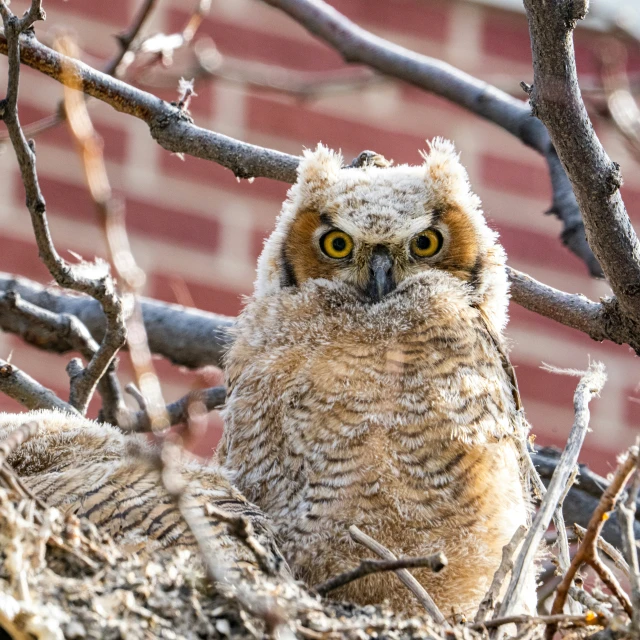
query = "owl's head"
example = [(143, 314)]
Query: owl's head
[(375, 226)]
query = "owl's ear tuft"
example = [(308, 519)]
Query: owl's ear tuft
[(445, 175), (319, 166)]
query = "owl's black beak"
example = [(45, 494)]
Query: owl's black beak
[(381, 281)]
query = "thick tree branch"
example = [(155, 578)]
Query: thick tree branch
[(187, 337), (170, 126), (555, 98), (69, 328), (603, 320), (357, 45)]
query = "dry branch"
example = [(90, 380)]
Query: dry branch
[(29, 392), (506, 566), (35, 320), (185, 336), (590, 384), (588, 550), (626, 514), (555, 98), (405, 577), (169, 126), (435, 562)]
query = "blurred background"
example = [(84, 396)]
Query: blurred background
[(259, 77)]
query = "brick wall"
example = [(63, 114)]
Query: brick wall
[(197, 231)]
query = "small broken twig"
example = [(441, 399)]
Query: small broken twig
[(435, 562), (29, 392), (405, 577)]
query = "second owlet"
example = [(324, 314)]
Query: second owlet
[(368, 383)]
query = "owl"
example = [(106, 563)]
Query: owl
[(95, 471), (368, 381)]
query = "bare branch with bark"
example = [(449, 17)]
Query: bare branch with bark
[(29, 392), (555, 98)]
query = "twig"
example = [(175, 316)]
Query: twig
[(69, 328), (555, 98), (581, 596), (609, 549), (583, 497), (216, 566), (589, 618), (70, 276), (125, 40), (170, 127), (111, 215), (506, 566), (626, 515), (588, 552), (590, 384), (241, 528), (435, 562), (405, 577), (29, 392)]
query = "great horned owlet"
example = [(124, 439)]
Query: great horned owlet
[(368, 382)]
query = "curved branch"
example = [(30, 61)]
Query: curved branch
[(555, 98)]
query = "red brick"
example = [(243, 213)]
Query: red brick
[(20, 257), (506, 36), (150, 219), (239, 41), (523, 178), (542, 386), (115, 139), (310, 127), (114, 12), (632, 407), (427, 20), (172, 225), (209, 298), (435, 102), (538, 248), (258, 237)]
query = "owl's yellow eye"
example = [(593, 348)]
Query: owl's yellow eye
[(427, 243), (336, 244)]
